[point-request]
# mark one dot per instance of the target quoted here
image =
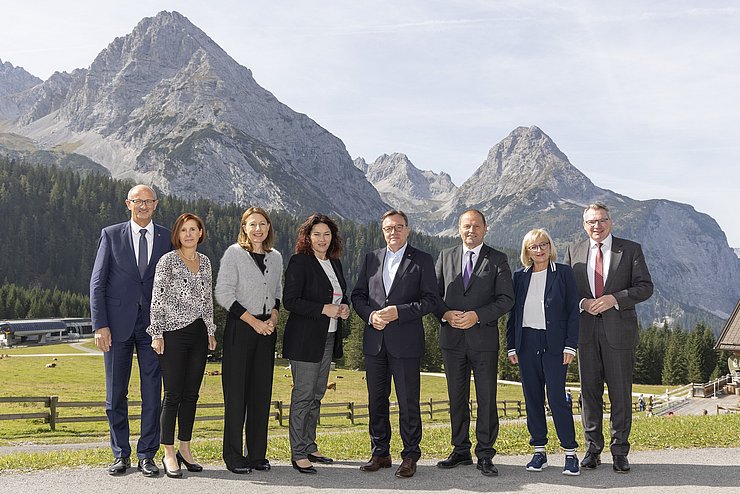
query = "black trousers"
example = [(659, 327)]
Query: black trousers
[(247, 368), (458, 364), (182, 363), (405, 372)]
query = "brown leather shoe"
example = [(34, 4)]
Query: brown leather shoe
[(376, 463), (407, 468)]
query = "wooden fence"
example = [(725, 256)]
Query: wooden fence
[(280, 410)]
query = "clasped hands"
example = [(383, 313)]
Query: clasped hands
[(380, 318), (336, 311), (596, 306), (461, 319), (158, 344)]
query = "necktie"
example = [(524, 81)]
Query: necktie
[(143, 252), (599, 273), (468, 271)]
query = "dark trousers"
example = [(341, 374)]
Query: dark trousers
[(183, 363), (247, 368), (405, 372), (599, 363), (309, 387), (539, 369), (118, 361), (458, 364)]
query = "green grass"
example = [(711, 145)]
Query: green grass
[(37, 349)]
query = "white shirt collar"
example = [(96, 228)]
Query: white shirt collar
[(398, 253), (606, 244), (135, 229), (476, 250)]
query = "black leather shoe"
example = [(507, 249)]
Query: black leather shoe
[(487, 468), (262, 465), (620, 463), (320, 459), (454, 460), (239, 470), (192, 467), (148, 468), (173, 474), (309, 470), (591, 460), (119, 466)]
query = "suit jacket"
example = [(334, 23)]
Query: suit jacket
[(628, 280), (489, 293), (413, 291), (116, 287), (307, 289), (561, 309)]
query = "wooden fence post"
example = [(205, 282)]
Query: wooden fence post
[(352, 412), (280, 412), (53, 400)]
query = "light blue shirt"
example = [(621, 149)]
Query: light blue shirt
[(390, 266)]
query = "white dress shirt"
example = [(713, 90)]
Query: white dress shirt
[(476, 253), (390, 266), (135, 235), (606, 251)]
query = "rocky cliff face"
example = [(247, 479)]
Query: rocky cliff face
[(404, 186), (167, 106)]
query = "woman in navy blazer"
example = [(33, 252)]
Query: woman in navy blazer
[(542, 338), (315, 293)]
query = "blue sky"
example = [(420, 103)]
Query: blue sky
[(642, 96)]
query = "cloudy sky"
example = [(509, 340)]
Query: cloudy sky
[(643, 97)]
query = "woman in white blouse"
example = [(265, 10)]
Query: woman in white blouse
[(182, 332), (316, 296), (249, 286), (542, 338)]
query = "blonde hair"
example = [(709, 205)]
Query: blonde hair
[(243, 239), (531, 238)]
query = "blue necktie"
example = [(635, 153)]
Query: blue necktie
[(143, 252), (468, 271)]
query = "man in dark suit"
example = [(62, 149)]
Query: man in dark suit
[(612, 277), (395, 289), (120, 296), (474, 282)]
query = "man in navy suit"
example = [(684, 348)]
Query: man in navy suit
[(120, 296), (395, 289)]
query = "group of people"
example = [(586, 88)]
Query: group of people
[(151, 292)]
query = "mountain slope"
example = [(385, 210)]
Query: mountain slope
[(167, 106)]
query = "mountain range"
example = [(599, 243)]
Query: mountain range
[(167, 106)]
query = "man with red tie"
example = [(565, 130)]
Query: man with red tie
[(612, 278)]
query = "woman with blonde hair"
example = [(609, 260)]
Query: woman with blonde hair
[(542, 338), (249, 287)]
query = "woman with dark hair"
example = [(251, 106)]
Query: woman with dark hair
[(182, 332), (249, 286), (316, 296)]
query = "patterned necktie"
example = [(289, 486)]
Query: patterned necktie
[(468, 271), (599, 273), (143, 252)]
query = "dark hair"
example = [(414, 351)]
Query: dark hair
[(303, 242), (394, 212), (184, 217), (243, 238), (472, 210)]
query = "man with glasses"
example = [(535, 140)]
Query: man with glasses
[(396, 287), (474, 282), (612, 277), (120, 296)]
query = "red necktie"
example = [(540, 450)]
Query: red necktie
[(599, 273)]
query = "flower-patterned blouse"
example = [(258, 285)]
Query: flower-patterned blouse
[(180, 296)]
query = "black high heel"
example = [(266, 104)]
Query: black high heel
[(173, 474), (192, 467), (310, 469)]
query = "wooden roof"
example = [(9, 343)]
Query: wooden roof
[(729, 339)]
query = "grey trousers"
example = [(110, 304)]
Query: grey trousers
[(309, 387)]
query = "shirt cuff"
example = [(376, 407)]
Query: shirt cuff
[(570, 350), (511, 352), (237, 309)]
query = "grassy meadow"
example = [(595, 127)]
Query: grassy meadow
[(81, 378)]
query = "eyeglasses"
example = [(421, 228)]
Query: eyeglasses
[(141, 202), (398, 228), (600, 221), (541, 246)]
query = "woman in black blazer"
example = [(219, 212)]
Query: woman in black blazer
[(542, 338), (315, 293)]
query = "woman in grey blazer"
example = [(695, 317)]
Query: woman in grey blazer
[(249, 286), (316, 296)]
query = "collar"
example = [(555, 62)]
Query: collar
[(135, 228), (398, 253), (476, 251), (553, 268), (606, 243)]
